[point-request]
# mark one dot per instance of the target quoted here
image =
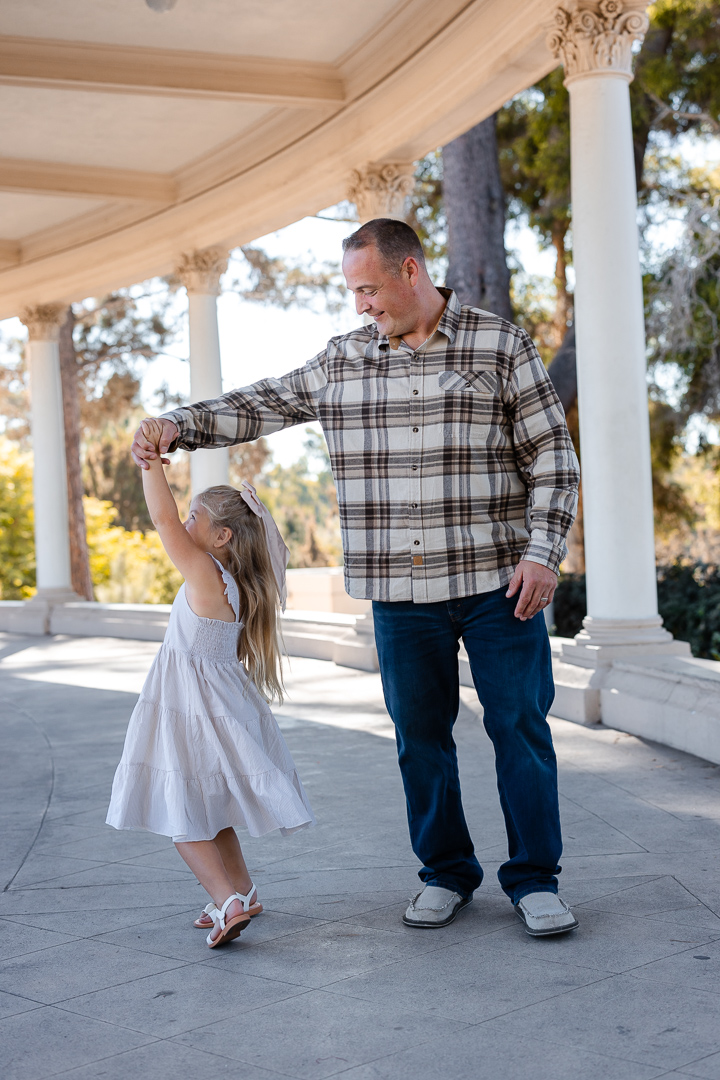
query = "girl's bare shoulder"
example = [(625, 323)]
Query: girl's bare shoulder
[(205, 590)]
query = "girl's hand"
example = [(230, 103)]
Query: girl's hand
[(153, 431)]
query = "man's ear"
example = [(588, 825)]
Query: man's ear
[(412, 270)]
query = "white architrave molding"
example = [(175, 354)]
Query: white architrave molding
[(77, 65), (57, 178), (9, 253), (484, 54), (591, 38)]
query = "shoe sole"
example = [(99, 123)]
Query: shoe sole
[(438, 925), (209, 926), (546, 933)]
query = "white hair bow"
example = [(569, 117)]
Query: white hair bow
[(277, 548)]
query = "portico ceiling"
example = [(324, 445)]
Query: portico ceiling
[(128, 136)]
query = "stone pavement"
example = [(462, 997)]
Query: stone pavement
[(103, 976)]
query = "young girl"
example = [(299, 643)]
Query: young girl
[(203, 752)]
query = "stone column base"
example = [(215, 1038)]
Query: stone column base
[(602, 641)]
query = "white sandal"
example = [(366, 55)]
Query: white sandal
[(251, 909), (232, 928)]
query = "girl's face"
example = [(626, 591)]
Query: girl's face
[(201, 530)]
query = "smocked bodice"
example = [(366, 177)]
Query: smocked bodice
[(211, 639)]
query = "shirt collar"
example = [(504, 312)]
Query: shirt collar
[(449, 320)]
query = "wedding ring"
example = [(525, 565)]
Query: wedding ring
[(543, 599)]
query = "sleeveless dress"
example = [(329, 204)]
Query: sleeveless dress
[(203, 751)]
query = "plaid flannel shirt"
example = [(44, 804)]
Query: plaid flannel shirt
[(452, 461)]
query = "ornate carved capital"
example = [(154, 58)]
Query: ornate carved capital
[(380, 190), (200, 271), (44, 321), (595, 37)]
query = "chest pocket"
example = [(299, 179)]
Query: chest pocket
[(477, 382)]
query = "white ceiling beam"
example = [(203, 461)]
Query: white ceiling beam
[(57, 178), (129, 69), (9, 253)]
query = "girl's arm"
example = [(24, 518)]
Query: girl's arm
[(183, 552)]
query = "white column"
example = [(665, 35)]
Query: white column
[(200, 273), (594, 41), (380, 189), (52, 538)]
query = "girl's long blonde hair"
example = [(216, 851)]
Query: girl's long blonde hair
[(248, 560)]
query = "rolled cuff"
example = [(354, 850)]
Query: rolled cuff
[(179, 417), (545, 553)]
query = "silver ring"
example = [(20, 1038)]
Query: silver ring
[(543, 599)]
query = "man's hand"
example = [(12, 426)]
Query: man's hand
[(538, 588), (144, 449)]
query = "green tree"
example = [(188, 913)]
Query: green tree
[(17, 547)]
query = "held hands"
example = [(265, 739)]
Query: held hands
[(538, 586), (152, 438)]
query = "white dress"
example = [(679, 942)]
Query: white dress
[(203, 751)]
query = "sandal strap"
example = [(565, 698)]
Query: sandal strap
[(218, 914), (245, 900)]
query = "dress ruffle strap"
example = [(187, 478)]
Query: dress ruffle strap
[(231, 590)]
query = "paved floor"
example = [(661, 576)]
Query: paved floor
[(102, 975)]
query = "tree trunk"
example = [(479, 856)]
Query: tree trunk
[(655, 45), (79, 557), (563, 305), (475, 208)]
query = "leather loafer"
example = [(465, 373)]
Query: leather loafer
[(434, 907), (545, 913)]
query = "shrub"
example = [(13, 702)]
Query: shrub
[(127, 567), (17, 540), (688, 601)]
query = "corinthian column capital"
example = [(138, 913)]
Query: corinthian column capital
[(380, 190), (200, 271), (595, 37), (43, 321)]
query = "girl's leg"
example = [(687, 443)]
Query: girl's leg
[(204, 859), (228, 845)]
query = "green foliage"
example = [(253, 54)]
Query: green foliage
[(127, 566), (677, 73), (688, 601), (17, 544), (569, 605), (534, 152), (426, 212)]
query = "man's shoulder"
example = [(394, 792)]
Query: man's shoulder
[(353, 343), (474, 320)]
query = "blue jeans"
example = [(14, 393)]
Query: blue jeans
[(511, 667)]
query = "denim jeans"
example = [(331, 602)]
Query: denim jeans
[(510, 662)]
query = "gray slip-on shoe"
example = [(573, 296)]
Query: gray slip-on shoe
[(434, 907), (545, 913)]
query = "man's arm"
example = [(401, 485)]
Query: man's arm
[(548, 464), (242, 415)]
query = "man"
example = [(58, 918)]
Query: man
[(457, 484)]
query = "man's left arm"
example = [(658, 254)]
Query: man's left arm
[(547, 462)]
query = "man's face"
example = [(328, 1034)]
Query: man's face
[(390, 299)]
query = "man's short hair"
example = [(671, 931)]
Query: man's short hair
[(395, 242)]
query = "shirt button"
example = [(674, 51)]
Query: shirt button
[(416, 391), (416, 543), (414, 506), (414, 468)]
